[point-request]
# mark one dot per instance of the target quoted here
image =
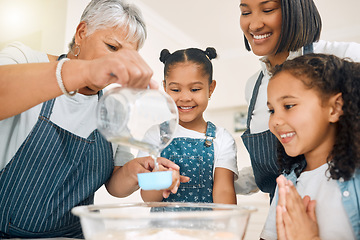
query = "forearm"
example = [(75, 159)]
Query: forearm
[(122, 183), (223, 189), (23, 86), (226, 196), (152, 196)]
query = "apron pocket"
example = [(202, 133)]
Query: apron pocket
[(190, 166)]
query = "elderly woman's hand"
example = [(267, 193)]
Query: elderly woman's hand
[(125, 67)]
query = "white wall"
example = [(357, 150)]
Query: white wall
[(37, 23)]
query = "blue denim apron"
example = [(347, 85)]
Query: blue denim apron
[(52, 172), (262, 147), (195, 158)]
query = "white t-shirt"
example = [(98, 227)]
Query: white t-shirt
[(333, 221), (76, 114), (224, 146), (260, 119)]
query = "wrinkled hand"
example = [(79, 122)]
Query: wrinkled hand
[(125, 67), (147, 164), (138, 165), (295, 217)]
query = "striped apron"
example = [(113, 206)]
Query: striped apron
[(262, 147), (195, 158), (52, 172)]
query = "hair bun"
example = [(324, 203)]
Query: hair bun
[(211, 52), (164, 55)]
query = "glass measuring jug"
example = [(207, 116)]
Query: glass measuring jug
[(126, 115)]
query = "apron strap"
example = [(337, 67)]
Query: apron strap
[(210, 130), (210, 134), (308, 48), (47, 107), (253, 98)]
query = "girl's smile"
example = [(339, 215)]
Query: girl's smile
[(185, 109), (299, 118), (189, 87), (286, 137)]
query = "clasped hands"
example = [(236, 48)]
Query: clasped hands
[(295, 216)]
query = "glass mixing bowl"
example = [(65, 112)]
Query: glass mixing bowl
[(160, 220)]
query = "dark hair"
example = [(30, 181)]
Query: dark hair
[(301, 25), (194, 55), (330, 75)]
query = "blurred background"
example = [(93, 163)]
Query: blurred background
[(49, 25)]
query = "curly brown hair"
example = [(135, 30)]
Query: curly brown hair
[(330, 75)]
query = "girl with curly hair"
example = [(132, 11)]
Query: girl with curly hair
[(314, 105), (205, 153)]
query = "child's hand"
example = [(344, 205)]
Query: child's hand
[(176, 180), (295, 217), (127, 175)]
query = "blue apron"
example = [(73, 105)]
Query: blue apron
[(262, 147), (52, 172), (195, 158)]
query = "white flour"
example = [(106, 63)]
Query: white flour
[(166, 234)]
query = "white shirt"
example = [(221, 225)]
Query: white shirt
[(333, 221), (76, 114), (260, 119), (224, 146)]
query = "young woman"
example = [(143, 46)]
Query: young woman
[(277, 30)]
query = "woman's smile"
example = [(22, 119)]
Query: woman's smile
[(262, 36)]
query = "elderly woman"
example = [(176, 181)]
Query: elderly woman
[(52, 158)]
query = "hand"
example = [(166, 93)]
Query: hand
[(124, 180), (125, 67), (176, 177), (147, 164), (295, 217)]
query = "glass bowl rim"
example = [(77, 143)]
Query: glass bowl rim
[(223, 210)]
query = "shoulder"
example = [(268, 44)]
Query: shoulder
[(17, 52), (340, 49), (222, 133), (224, 141)]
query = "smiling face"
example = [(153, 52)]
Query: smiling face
[(260, 21), (299, 118), (189, 88)]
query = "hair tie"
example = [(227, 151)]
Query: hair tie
[(164, 55), (210, 53)]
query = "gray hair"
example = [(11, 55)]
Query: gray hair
[(100, 14)]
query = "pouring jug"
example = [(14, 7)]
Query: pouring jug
[(126, 115)]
